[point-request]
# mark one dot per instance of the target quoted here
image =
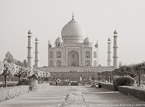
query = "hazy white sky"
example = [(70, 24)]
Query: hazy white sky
[(99, 18)]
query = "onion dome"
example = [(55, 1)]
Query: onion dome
[(29, 32), (115, 32), (86, 41), (36, 39), (109, 39), (72, 32)]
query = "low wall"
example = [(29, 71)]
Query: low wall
[(108, 86), (134, 91), (127, 90)]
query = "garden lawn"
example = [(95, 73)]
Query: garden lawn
[(55, 95)]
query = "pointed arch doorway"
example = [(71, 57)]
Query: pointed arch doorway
[(73, 58)]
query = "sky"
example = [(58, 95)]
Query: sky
[(99, 18)]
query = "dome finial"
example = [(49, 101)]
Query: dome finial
[(72, 15)]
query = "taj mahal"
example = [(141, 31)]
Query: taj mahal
[(73, 55)]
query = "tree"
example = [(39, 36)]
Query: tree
[(5, 72), (140, 69), (9, 70), (1, 67), (131, 70), (9, 57), (121, 71), (125, 70)]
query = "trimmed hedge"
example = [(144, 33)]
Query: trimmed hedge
[(136, 92), (108, 86), (123, 81)]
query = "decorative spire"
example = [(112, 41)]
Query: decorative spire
[(72, 15), (97, 42), (48, 42)]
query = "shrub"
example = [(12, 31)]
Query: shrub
[(24, 82), (123, 81)]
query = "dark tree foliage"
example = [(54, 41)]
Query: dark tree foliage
[(131, 70)]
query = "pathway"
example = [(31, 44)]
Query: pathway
[(55, 95)]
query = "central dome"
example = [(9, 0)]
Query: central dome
[(72, 32)]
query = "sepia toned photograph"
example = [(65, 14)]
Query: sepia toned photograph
[(72, 53)]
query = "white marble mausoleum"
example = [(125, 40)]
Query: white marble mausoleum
[(73, 54)]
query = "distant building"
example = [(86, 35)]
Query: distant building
[(74, 56)]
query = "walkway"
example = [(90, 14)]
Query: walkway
[(55, 95)]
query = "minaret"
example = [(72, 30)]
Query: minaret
[(36, 52), (115, 50), (109, 53), (96, 45), (29, 50), (49, 46)]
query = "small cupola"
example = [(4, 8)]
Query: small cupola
[(86, 41), (58, 42)]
